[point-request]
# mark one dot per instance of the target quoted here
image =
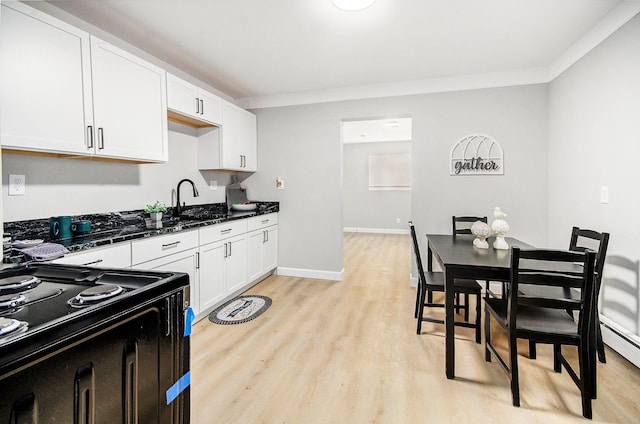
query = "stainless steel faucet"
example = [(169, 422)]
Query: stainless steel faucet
[(177, 210)]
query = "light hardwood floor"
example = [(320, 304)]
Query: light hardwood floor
[(347, 352)]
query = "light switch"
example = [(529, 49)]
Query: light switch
[(604, 194), (213, 185), (16, 185), (280, 184)]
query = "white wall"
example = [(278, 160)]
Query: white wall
[(302, 145), (365, 209), (57, 186), (594, 129)]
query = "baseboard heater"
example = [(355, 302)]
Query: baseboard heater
[(620, 339), (615, 329)]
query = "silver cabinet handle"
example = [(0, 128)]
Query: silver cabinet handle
[(175, 243), (197, 260), (197, 105), (265, 221), (92, 263), (226, 231), (201, 107), (229, 248), (100, 138), (90, 137)]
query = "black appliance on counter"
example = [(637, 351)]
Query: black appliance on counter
[(87, 345)]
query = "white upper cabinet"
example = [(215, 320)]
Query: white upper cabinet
[(130, 105), (239, 136), (234, 146), (192, 102), (45, 84), (64, 91)]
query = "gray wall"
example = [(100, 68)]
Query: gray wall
[(372, 209), (302, 145), (594, 131)]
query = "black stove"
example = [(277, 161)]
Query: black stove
[(125, 328)]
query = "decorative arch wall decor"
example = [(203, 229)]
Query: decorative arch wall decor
[(476, 154)]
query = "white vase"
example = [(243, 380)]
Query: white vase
[(481, 230), (500, 228), (155, 216)]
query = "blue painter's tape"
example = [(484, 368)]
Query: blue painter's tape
[(175, 390), (188, 320)]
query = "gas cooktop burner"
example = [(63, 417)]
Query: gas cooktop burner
[(11, 326), (12, 301), (95, 294), (18, 283)]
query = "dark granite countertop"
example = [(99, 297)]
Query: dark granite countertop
[(116, 227)]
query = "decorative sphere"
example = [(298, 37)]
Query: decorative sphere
[(480, 229), (500, 227)]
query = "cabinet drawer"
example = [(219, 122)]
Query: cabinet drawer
[(157, 247), (113, 256), (222, 231), (262, 221)]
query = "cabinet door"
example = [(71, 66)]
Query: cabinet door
[(234, 137), (130, 105), (249, 137), (180, 262), (213, 287), (236, 263), (210, 107), (255, 240), (262, 252), (181, 96), (45, 84), (270, 249)]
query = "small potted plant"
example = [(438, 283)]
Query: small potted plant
[(155, 211)]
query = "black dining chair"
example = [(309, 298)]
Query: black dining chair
[(429, 282), (544, 319), (581, 240), (462, 225)]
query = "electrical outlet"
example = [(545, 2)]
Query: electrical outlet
[(213, 185), (397, 220), (17, 185), (280, 184)]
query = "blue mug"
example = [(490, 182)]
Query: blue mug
[(60, 227)]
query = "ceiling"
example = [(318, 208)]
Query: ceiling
[(278, 52)]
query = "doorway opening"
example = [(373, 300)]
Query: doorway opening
[(376, 174)]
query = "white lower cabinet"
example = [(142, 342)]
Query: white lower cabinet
[(112, 256), (223, 269), (262, 251), (223, 261)]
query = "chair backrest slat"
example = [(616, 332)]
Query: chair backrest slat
[(462, 224)]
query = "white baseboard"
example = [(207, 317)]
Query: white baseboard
[(621, 340), (374, 230), (311, 273)]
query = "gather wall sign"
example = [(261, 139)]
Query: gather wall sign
[(477, 154)]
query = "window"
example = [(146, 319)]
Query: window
[(390, 172)]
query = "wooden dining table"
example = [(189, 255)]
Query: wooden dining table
[(458, 258)]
